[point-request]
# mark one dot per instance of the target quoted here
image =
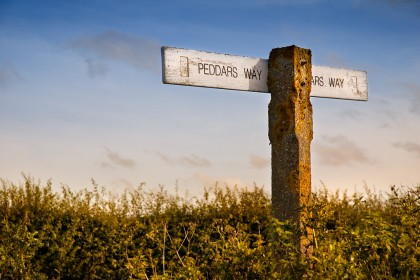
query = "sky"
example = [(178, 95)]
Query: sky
[(82, 97)]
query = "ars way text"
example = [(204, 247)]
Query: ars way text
[(331, 82)]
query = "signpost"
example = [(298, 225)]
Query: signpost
[(289, 76), (214, 70)]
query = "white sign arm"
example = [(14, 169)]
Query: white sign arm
[(214, 70)]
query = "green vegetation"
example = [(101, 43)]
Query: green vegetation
[(226, 234)]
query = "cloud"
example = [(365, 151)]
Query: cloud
[(116, 159), (414, 91), (339, 151), (409, 3), (411, 6), (335, 60), (210, 181), (255, 3), (191, 160), (285, 2), (390, 117), (194, 160), (142, 53), (353, 114), (258, 162), (166, 158), (387, 115), (123, 184), (8, 73), (95, 69), (410, 147)]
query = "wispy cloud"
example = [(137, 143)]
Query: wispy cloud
[(115, 159), (409, 3), (414, 92), (387, 115), (96, 69), (353, 114), (255, 3), (335, 59), (339, 151), (410, 147), (123, 184), (285, 2), (191, 160), (8, 73), (142, 53), (210, 181), (410, 6), (165, 158), (259, 162), (194, 160)]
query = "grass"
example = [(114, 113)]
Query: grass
[(228, 233)]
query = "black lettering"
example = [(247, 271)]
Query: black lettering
[(317, 81), (336, 82), (332, 82), (254, 75), (228, 71), (223, 71), (217, 70), (200, 67), (234, 72), (211, 67), (247, 73)]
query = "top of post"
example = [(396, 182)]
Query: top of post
[(286, 63)]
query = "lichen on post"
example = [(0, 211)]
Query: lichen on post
[(290, 134)]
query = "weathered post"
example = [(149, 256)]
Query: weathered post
[(290, 133)]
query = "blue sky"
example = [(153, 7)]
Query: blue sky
[(82, 97)]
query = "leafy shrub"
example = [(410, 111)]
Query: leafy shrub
[(225, 234)]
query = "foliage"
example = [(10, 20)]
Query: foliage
[(225, 234)]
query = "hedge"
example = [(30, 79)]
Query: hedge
[(227, 233)]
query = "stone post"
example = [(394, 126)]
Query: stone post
[(290, 133)]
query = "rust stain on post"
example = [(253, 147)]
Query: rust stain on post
[(290, 133)]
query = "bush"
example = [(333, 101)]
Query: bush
[(226, 234)]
